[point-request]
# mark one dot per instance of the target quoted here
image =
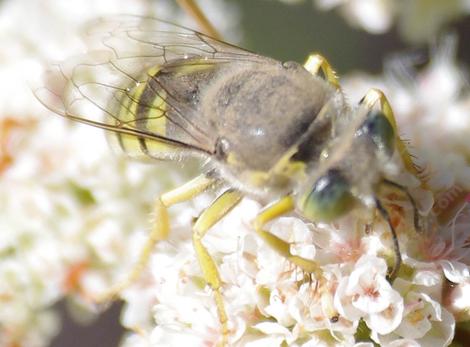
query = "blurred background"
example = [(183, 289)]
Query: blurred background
[(287, 30), (291, 31)]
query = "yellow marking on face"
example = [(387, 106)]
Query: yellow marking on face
[(287, 167), (284, 170)]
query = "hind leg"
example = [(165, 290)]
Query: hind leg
[(159, 232)]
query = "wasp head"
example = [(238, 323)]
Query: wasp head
[(337, 192)]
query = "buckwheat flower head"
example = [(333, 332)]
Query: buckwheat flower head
[(271, 302), (69, 208)]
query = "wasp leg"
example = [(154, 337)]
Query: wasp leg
[(280, 207), (216, 211), (192, 8), (315, 62), (376, 96), (282, 247), (396, 246), (159, 232)]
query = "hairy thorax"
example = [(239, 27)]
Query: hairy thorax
[(260, 113)]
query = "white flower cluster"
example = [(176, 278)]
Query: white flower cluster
[(69, 208), (417, 20), (272, 303)]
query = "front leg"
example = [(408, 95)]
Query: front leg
[(282, 247), (278, 208), (316, 62), (376, 97)]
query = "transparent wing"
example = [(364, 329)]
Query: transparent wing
[(114, 85)]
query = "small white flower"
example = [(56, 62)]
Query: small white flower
[(278, 309), (367, 294), (425, 321), (276, 332), (420, 310)]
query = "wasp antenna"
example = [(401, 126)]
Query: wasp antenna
[(396, 246)]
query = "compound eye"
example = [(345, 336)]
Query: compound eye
[(380, 131), (329, 198)]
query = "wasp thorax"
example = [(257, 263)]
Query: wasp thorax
[(329, 198)]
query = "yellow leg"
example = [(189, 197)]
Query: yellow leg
[(192, 8), (316, 62), (282, 247), (377, 97), (159, 232), (280, 207), (215, 212)]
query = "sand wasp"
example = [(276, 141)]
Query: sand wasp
[(278, 132)]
